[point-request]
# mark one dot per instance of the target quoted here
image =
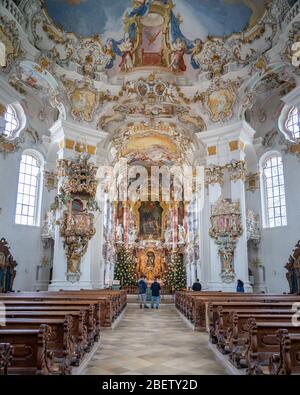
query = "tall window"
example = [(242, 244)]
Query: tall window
[(9, 124), (293, 123), (27, 211), (274, 191)]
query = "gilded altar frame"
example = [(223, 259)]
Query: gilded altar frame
[(135, 206)]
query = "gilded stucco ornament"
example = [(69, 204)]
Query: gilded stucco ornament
[(84, 98), (50, 180), (77, 196), (151, 97), (237, 170), (214, 175), (226, 229), (252, 182), (9, 36), (293, 37), (219, 99)]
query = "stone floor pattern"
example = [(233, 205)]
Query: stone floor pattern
[(153, 342)]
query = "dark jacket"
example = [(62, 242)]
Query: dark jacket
[(142, 286), (197, 287), (240, 287), (155, 287)]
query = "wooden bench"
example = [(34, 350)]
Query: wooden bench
[(263, 343), (236, 339), (60, 342), (29, 351), (105, 310), (201, 305), (82, 334), (287, 361), (5, 357)]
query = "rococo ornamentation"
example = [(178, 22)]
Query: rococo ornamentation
[(237, 170), (226, 229), (214, 175), (78, 191)]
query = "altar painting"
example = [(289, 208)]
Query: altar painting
[(150, 214)]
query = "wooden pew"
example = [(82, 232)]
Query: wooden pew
[(80, 332), (287, 361), (29, 353), (104, 302), (236, 339), (263, 343), (5, 357), (201, 305), (60, 342), (219, 312)]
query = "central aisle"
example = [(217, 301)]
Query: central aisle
[(153, 342)]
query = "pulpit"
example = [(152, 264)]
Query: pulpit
[(7, 267)]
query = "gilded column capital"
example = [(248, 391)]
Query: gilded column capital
[(237, 170), (214, 175)]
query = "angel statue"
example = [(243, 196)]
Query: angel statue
[(120, 233), (132, 236), (168, 236), (181, 234)]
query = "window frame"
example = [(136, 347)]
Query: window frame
[(39, 188), (291, 127), (18, 111), (264, 195)]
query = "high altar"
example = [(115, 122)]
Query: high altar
[(151, 231)]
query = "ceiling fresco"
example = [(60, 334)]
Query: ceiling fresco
[(200, 18)]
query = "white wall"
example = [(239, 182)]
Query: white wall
[(25, 241), (277, 243)]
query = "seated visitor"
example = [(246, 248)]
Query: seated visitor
[(240, 286), (197, 286)]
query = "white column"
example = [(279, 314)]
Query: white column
[(241, 265), (224, 145), (61, 132)]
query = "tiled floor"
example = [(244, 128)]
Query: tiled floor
[(153, 342)]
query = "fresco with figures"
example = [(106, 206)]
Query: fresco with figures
[(163, 33)]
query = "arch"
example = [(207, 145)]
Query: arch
[(273, 195)]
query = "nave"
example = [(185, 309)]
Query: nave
[(153, 342)]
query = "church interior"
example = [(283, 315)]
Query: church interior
[(149, 143)]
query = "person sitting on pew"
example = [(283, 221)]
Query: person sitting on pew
[(197, 286), (240, 287)]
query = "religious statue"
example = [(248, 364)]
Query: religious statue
[(168, 234), (132, 236), (181, 234), (126, 48), (178, 51), (150, 260), (120, 233)]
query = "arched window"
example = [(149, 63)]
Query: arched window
[(29, 190), (12, 122), (273, 191), (293, 123)]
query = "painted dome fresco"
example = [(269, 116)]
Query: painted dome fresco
[(198, 18)]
